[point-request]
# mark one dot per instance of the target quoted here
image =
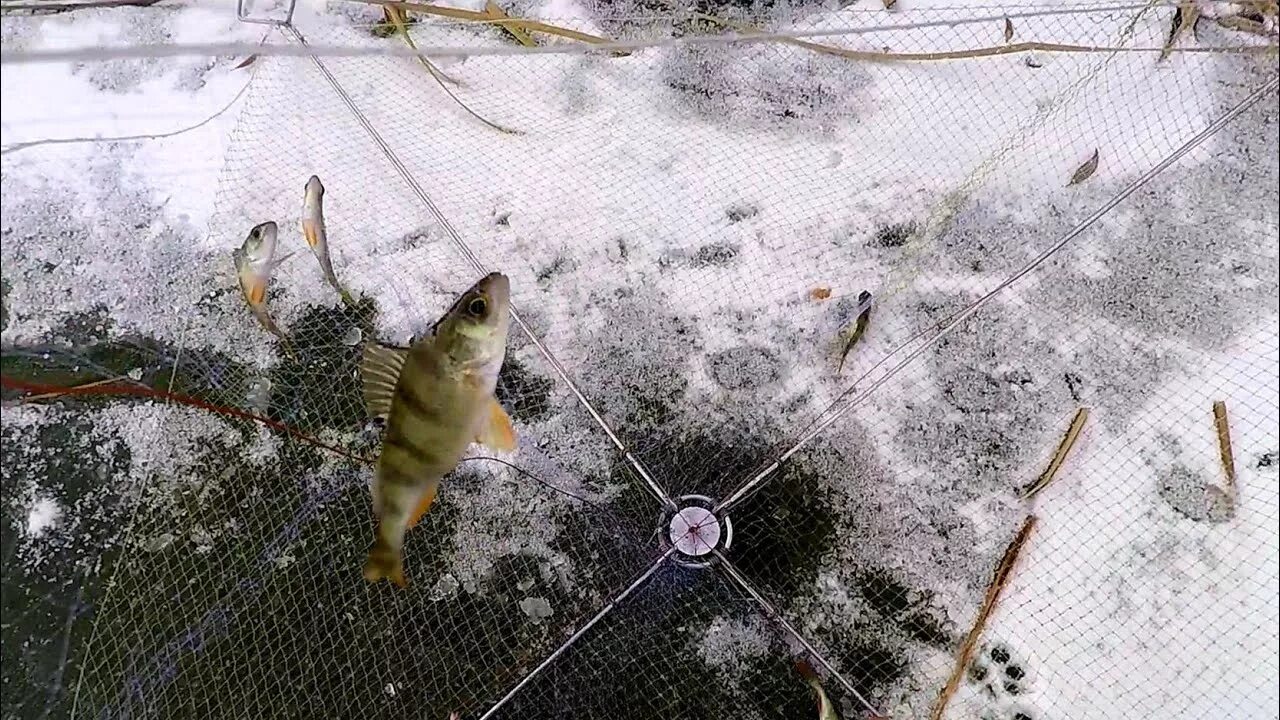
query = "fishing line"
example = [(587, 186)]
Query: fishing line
[(142, 136), (114, 387)]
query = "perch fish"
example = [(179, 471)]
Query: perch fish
[(314, 231), (255, 261), (826, 711), (437, 398), (859, 327)]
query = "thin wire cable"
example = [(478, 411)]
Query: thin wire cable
[(1213, 128), (775, 615), (609, 606), (124, 138), (658, 491), (168, 50)]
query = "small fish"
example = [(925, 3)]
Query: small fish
[(1085, 171), (437, 398), (859, 326), (255, 261), (314, 232), (826, 711), (1008, 29)]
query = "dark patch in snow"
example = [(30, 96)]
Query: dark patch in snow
[(559, 266), (746, 367), (893, 235), (523, 393), (714, 255), (743, 84), (741, 211), (1195, 497)]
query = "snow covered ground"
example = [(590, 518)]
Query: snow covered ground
[(666, 218)]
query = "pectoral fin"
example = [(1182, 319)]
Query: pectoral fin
[(424, 504), (310, 232), (495, 428), (379, 370)]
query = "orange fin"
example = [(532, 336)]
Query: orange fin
[(257, 292), (495, 428), (309, 232), (424, 504)]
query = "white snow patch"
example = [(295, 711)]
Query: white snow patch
[(44, 513)]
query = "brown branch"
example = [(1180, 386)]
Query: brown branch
[(1224, 448), (876, 56), (998, 581), (1059, 456)]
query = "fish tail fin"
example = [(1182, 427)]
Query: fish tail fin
[(385, 562)]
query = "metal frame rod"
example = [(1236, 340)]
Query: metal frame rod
[(657, 490), (1213, 128), (609, 606), (775, 615)]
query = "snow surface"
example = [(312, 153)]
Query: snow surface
[(664, 218)]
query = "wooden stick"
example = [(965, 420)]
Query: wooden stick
[(1021, 47), (1059, 456), (1224, 447), (998, 581)]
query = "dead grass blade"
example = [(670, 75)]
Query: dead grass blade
[(483, 17), (998, 581), (396, 16), (1059, 455)]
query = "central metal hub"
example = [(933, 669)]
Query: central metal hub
[(695, 531)]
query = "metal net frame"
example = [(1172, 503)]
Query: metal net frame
[(879, 513)]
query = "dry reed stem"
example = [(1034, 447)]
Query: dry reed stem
[(1224, 448), (1059, 455), (998, 581)]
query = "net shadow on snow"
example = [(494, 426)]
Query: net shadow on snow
[(279, 609), (686, 644)]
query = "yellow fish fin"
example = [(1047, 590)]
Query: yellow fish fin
[(379, 370), (424, 504), (495, 428), (256, 292), (309, 231)]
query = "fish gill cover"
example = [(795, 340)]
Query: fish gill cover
[(688, 230)]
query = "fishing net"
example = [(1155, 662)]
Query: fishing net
[(689, 229)]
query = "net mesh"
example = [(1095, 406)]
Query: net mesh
[(688, 229)]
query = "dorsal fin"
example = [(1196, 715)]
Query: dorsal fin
[(380, 368)]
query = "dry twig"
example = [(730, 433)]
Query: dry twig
[(1059, 456), (998, 581), (1224, 449)]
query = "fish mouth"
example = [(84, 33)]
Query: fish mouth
[(495, 285)]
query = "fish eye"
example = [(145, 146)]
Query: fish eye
[(477, 306)]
